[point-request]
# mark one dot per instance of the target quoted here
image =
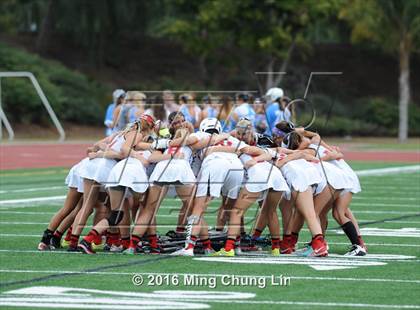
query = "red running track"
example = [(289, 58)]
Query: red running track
[(17, 156)]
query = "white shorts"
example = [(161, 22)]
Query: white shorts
[(220, 176), (130, 173), (173, 171), (97, 169), (301, 175), (73, 178)]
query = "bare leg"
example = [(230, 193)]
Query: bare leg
[(186, 194), (305, 205), (91, 193), (69, 219), (72, 199), (154, 199)]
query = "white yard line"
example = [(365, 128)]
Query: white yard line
[(110, 273), (35, 189), (26, 200), (387, 198), (388, 171)]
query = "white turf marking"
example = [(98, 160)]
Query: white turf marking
[(55, 297), (384, 212), (388, 171), (386, 232), (392, 205), (112, 273), (26, 200), (386, 198), (35, 189), (315, 263)]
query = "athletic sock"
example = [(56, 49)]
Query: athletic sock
[(275, 243), (318, 237), (351, 232), (46, 236), (92, 236), (153, 240), (112, 238), (206, 244), (134, 241), (238, 242), (257, 233), (68, 235), (230, 244), (294, 237), (58, 234), (125, 242), (74, 240), (190, 243)]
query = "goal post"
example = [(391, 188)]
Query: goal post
[(41, 95)]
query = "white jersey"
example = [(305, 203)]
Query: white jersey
[(341, 164)]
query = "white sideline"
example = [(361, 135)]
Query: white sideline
[(204, 275), (386, 171), (368, 172)]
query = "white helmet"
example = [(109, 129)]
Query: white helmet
[(210, 124), (274, 93)]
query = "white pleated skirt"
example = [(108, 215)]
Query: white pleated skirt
[(73, 178), (300, 175), (130, 173), (173, 171), (97, 169), (263, 176), (354, 179), (333, 176)]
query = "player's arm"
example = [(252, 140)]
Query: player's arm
[(131, 139), (251, 150), (110, 154), (332, 155), (140, 157), (158, 156)]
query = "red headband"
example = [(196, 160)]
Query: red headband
[(148, 118)]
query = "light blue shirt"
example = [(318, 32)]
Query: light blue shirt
[(108, 118)]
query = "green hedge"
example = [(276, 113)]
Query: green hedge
[(72, 95), (371, 116)]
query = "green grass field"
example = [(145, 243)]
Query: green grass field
[(388, 211)]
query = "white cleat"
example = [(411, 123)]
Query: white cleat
[(43, 247), (183, 252), (356, 250)]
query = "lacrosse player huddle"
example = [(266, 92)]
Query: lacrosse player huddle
[(126, 177)]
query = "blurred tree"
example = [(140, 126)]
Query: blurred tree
[(394, 26), (270, 29)]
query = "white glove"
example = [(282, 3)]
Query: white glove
[(160, 144)]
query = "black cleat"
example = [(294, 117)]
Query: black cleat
[(85, 247)]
